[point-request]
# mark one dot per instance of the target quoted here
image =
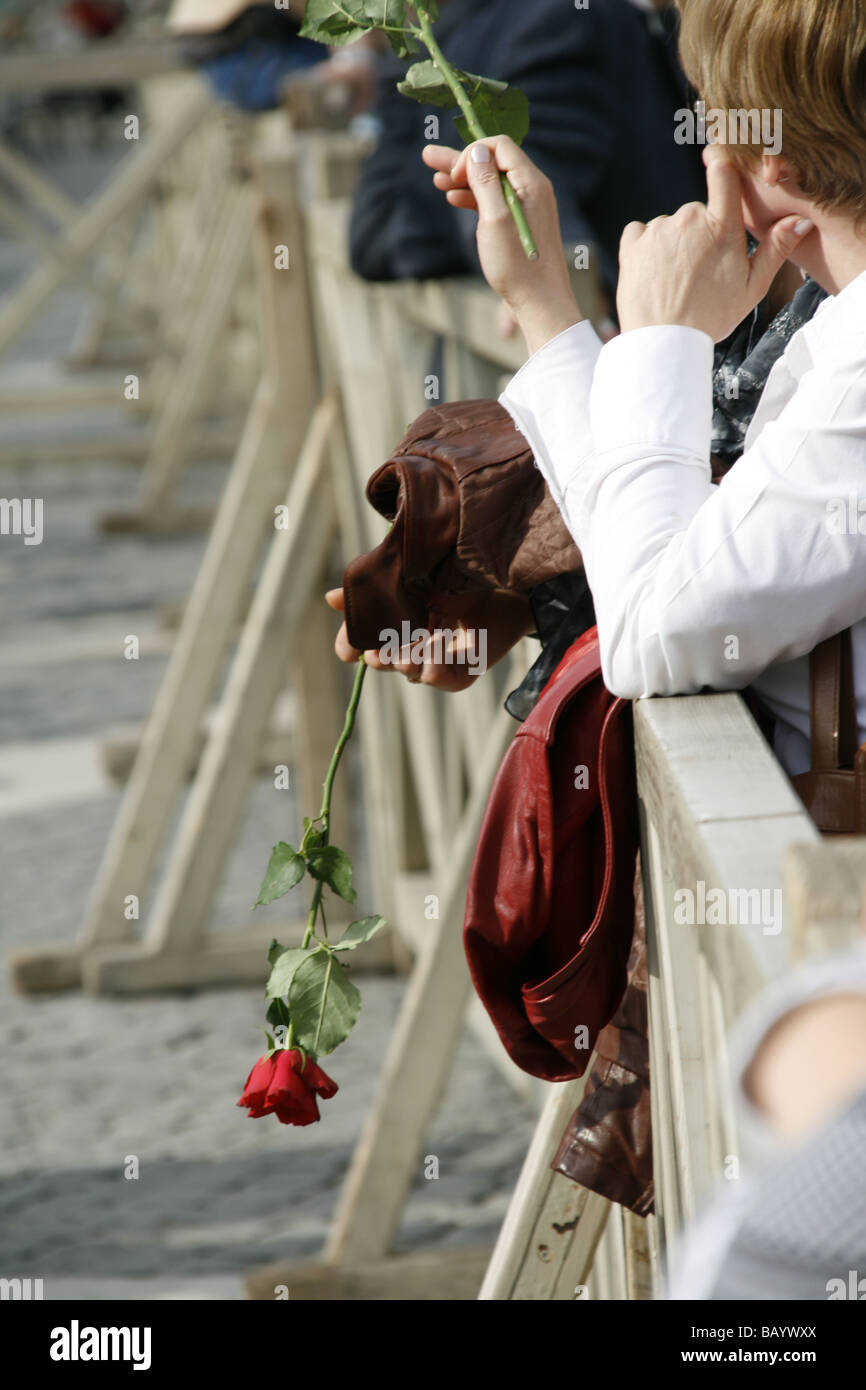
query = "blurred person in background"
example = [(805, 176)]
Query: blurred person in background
[(588, 74), (246, 48), (794, 1225)]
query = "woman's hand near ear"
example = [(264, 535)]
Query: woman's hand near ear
[(693, 269)]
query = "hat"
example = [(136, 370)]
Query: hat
[(206, 16)]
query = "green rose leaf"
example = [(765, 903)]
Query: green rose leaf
[(500, 113), (313, 836), (425, 83), (278, 1014), (390, 14), (323, 1003), (330, 22), (286, 868), (502, 110), (334, 867), (275, 950), (404, 45), (342, 21), (283, 972), (359, 932)]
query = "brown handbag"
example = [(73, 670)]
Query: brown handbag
[(607, 1145), (834, 789), (471, 514)]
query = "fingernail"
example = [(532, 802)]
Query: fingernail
[(480, 154), (804, 225)]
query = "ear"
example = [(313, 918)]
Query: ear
[(776, 169)]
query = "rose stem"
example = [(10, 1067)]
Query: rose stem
[(325, 813), (476, 129)]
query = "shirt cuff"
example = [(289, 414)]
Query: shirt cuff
[(654, 386), (548, 400)]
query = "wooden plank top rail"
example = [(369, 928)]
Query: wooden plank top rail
[(101, 65), (718, 817), (722, 806)]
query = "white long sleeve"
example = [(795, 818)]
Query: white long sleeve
[(694, 585)]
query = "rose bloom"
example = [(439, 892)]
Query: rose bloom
[(279, 1084)]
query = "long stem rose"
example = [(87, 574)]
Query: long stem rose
[(487, 107), (314, 1005)]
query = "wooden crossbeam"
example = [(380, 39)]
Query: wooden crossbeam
[(115, 63), (420, 1052), (217, 281), (552, 1228), (266, 454), (81, 236), (227, 768), (444, 1276)]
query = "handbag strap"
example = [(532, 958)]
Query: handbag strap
[(834, 789), (833, 709)]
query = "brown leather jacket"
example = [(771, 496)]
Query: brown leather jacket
[(471, 514)]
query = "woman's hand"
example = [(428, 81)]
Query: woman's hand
[(693, 269), (503, 618), (538, 293)]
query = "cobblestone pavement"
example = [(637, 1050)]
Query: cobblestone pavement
[(87, 1083)]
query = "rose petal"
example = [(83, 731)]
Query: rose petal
[(258, 1083), (319, 1081)]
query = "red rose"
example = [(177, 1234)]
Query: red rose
[(281, 1084)]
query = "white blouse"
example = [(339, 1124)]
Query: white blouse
[(700, 586)]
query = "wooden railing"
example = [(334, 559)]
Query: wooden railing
[(718, 814)]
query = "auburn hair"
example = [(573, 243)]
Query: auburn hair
[(806, 58)]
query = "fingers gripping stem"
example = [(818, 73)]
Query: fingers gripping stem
[(449, 75)]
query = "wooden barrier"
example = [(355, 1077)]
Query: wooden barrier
[(83, 230), (717, 813), (346, 366), (163, 254), (112, 64), (334, 398), (284, 444)]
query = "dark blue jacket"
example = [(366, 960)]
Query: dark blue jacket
[(603, 85)]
